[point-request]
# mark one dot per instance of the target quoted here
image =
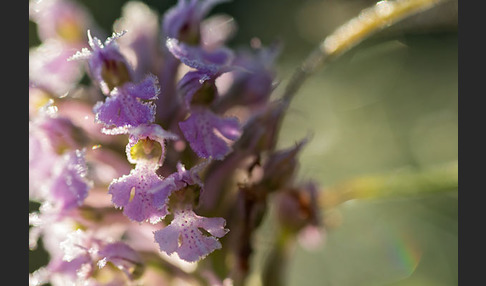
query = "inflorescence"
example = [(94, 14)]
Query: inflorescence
[(156, 145)]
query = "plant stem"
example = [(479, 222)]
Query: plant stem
[(443, 178), (369, 21)]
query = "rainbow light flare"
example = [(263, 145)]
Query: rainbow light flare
[(405, 251)]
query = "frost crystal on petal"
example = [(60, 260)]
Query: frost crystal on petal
[(114, 36), (83, 54), (184, 235), (75, 245), (207, 133)]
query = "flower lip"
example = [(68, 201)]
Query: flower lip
[(186, 228), (128, 106)]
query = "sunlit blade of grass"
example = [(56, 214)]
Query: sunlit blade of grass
[(369, 21), (396, 184)]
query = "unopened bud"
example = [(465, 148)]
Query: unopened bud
[(280, 167)]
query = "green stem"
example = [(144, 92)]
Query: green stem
[(443, 178), (369, 21), (275, 269)]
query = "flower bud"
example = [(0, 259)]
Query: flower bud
[(279, 169), (297, 207)]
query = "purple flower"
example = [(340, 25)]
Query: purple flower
[(198, 87), (208, 134), (183, 21), (62, 19), (142, 194), (210, 63), (42, 159), (191, 236), (57, 168), (181, 179), (58, 131), (253, 79), (123, 257), (141, 45), (69, 185), (60, 272), (100, 207), (49, 68), (107, 65), (62, 190), (127, 107), (80, 252), (205, 131)]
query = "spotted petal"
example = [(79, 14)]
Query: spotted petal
[(142, 194), (185, 237), (208, 133)]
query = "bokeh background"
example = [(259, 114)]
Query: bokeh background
[(386, 111)]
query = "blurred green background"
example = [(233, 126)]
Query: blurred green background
[(387, 109)]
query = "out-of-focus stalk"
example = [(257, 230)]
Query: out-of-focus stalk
[(392, 185), (369, 21)]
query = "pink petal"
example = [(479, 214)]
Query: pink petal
[(201, 130), (184, 235)]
